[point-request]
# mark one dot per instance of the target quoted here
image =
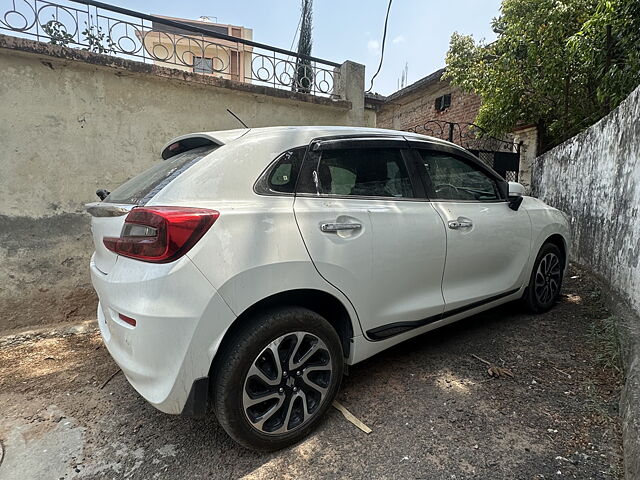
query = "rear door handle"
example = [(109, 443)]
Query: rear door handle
[(460, 222), (334, 227)]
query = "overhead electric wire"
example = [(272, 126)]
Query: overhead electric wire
[(295, 35), (384, 39)]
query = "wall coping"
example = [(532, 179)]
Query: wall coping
[(78, 55)]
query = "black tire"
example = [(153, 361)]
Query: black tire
[(249, 348), (545, 283)]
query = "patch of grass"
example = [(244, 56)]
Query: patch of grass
[(595, 404), (604, 335)]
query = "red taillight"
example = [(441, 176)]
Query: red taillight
[(161, 234)]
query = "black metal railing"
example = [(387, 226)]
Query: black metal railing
[(501, 154), (188, 45), (467, 135)]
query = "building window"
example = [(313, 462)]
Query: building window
[(202, 65), (236, 32), (443, 102)]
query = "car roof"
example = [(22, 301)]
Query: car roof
[(301, 134), (311, 132)]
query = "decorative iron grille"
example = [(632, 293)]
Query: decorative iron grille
[(193, 46), (501, 154)]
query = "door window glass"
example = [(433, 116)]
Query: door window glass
[(455, 179), (373, 172)]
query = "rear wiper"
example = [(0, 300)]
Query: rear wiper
[(102, 193)]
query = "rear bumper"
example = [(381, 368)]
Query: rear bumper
[(180, 321)]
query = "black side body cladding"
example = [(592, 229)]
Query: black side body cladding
[(393, 329)]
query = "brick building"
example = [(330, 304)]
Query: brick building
[(428, 104), (430, 98)]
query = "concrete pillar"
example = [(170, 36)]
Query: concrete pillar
[(528, 152), (349, 85)]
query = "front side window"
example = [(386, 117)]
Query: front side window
[(363, 172), (453, 178)]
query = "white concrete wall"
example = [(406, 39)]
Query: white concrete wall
[(595, 178)]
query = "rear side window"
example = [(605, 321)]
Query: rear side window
[(284, 174), (146, 185), (364, 172)]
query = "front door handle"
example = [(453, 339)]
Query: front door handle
[(460, 222), (334, 227)]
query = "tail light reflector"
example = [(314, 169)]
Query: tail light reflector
[(129, 320), (161, 234)]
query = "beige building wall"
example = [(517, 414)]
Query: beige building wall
[(175, 50), (73, 122)]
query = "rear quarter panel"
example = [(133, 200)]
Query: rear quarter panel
[(254, 249)]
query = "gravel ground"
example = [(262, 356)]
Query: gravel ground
[(434, 411)]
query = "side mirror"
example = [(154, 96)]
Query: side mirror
[(516, 191)]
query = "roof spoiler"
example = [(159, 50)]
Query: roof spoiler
[(201, 139), (188, 142)]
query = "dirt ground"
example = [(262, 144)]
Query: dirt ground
[(45, 308), (434, 411)]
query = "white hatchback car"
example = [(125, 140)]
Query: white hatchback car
[(242, 272)]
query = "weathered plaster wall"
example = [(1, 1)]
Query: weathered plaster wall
[(595, 178), (73, 122)]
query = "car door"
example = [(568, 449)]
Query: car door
[(488, 243), (370, 233)]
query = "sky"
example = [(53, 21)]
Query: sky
[(418, 31)]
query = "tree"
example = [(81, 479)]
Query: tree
[(558, 64), (610, 42), (304, 70)]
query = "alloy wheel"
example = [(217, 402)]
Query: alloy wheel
[(287, 383), (547, 279)]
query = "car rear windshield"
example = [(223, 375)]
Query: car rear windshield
[(141, 188)]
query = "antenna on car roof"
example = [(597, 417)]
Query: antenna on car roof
[(237, 118)]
